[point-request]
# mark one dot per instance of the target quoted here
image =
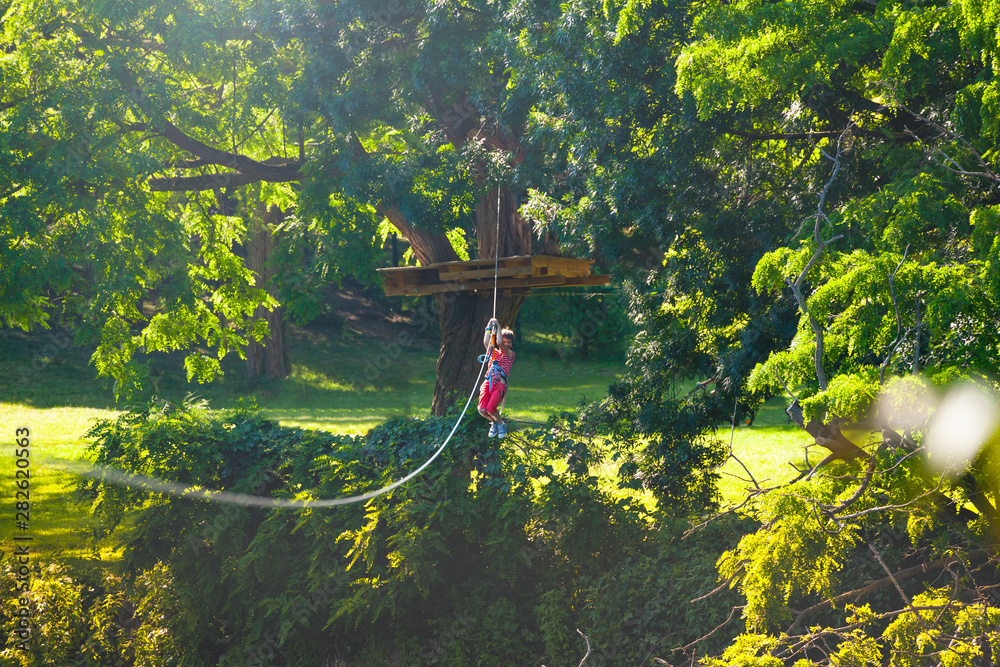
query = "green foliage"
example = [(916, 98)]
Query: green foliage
[(791, 559), (76, 618), (648, 604), (749, 650), (827, 539), (489, 548), (974, 627), (577, 325), (100, 111), (661, 442)]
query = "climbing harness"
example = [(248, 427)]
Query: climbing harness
[(495, 371)]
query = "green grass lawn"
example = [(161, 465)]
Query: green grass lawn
[(333, 387), (340, 382), (773, 450)]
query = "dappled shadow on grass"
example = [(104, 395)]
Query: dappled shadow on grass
[(45, 371)]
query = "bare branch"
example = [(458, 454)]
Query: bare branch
[(892, 577), (858, 492), (821, 245), (725, 583), (949, 162), (586, 639), (900, 335), (732, 434), (719, 627)]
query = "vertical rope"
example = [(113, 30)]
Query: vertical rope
[(496, 255), (496, 273)]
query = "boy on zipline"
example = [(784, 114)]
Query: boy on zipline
[(495, 386)]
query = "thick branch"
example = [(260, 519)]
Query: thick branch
[(261, 171), (274, 170), (429, 247), (229, 179), (828, 436)]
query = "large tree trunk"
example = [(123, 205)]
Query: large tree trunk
[(463, 316), (270, 357)]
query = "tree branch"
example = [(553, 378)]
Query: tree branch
[(273, 170), (587, 654), (873, 586), (229, 179), (900, 335), (820, 247), (987, 168)]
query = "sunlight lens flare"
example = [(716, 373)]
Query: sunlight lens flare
[(906, 403), (964, 422)]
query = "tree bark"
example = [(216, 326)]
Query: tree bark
[(828, 436), (269, 357)]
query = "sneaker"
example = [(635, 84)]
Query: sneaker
[(493, 430), (502, 431)]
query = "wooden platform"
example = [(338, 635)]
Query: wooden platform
[(521, 272)]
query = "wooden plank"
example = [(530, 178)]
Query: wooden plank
[(484, 286), (413, 290), (522, 271), (530, 281), (475, 262), (567, 262), (390, 270), (548, 265), (485, 273)]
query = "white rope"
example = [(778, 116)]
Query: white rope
[(496, 256), (496, 273), (175, 489), (107, 474)]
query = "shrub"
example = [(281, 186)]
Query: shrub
[(487, 557)]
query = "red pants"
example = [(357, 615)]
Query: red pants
[(489, 400)]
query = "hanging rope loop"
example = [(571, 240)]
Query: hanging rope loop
[(176, 489)]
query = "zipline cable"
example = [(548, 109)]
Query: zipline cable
[(173, 488)]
